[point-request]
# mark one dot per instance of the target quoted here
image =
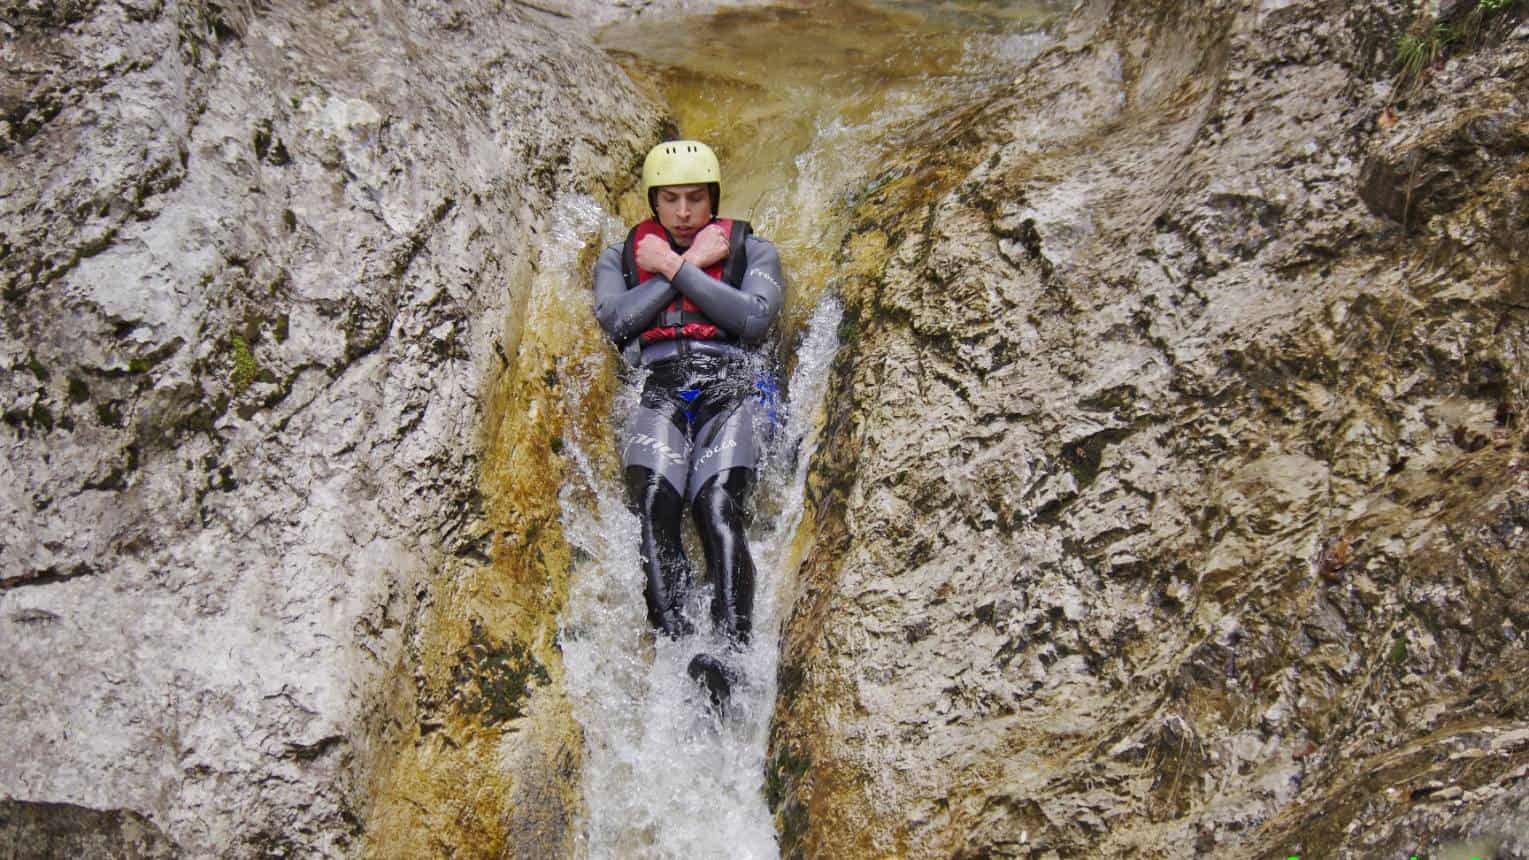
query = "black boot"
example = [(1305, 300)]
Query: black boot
[(715, 677)]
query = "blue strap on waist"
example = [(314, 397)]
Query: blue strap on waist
[(689, 395)]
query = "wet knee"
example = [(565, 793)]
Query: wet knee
[(650, 496), (720, 501)]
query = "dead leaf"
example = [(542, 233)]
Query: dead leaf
[(1335, 555)]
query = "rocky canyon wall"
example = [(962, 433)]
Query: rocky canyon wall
[(270, 583), (1173, 497), (1171, 500)]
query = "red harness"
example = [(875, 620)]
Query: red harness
[(682, 319)]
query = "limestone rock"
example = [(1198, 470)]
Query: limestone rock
[(64, 830), (1472, 133), (264, 269), (1170, 502)]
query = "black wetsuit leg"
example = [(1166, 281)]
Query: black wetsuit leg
[(720, 513), (660, 508), (689, 395)]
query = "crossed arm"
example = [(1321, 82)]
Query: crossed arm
[(746, 312)]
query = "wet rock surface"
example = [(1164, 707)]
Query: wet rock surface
[(61, 830), (1173, 496), (266, 271)]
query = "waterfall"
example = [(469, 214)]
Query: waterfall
[(663, 776)]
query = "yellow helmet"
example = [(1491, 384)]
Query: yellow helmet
[(680, 162)]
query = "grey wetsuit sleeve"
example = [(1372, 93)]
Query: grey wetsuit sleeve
[(748, 310), (624, 313)]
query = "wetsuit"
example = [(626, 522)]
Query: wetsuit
[(696, 435)]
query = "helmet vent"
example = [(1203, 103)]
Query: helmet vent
[(681, 162)]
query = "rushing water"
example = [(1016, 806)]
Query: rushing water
[(802, 104), (663, 776)]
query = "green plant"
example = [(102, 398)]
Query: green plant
[(1429, 43), (37, 368), (42, 416), (1415, 52), (109, 414), (245, 367)]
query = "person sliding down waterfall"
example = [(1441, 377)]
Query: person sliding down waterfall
[(690, 297)]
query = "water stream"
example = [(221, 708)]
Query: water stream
[(802, 104)]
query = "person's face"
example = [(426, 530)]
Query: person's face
[(683, 210)]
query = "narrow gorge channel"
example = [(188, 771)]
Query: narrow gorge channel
[(803, 105)]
